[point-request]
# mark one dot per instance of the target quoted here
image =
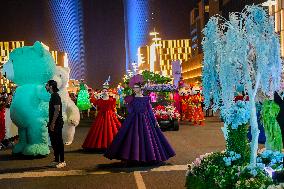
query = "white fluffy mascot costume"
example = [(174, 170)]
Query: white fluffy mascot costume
[(70, 112)]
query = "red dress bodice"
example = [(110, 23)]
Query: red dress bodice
[(105, 105)]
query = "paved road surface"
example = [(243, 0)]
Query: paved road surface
[(92, 170)]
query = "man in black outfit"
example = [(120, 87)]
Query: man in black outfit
[(55, 124)]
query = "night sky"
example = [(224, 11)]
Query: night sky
[(104, 30)]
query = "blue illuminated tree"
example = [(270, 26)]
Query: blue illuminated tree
[(243, 50)]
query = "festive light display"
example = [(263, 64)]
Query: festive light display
[(67, 28), (83, 101), (137, 27)]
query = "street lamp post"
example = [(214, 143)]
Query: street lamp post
[(153, 49), (135, 67)]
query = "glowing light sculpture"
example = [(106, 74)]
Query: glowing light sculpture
[(67, 29), (137, 27), (244, 50)]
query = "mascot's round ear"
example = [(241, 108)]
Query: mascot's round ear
[(38, 47), (66, 69)]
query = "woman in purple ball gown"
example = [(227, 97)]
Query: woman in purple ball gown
[(140, 138)]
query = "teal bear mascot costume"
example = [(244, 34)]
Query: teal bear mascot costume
[(30, 67)]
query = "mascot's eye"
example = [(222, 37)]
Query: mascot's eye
[(60, 75)]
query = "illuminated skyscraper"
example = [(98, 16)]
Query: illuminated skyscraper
[(67, 30), (137, 19)]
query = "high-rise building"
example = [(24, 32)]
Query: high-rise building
[(137, 19), (144, 58), (159, 55), (199, 15), (5, 48), (172, 50), (224, 7), (67, 29), (198, 18)]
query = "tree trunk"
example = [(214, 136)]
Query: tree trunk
[(254, 133)]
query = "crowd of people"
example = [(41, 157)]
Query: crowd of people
[(134, 138), (138, 139)]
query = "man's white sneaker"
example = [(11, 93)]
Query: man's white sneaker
[(61, 165)]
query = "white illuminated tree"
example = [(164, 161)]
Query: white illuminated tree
[(245, 51)]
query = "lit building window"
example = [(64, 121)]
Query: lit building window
[(162, 53), (207, 8)]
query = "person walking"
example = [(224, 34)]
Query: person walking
[(55, 124)]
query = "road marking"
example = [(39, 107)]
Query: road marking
[(137, 174), (99, 173), (171, 168), (139, 180), (41, 174)]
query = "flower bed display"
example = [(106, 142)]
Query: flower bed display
[(166, 113), (167, 116), (226, 170)]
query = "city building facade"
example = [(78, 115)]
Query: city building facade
[(276, 9), (66, 21), (199, 15), (158, 56), (137, 19)]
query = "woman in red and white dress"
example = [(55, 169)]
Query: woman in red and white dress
[(105, 125)]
